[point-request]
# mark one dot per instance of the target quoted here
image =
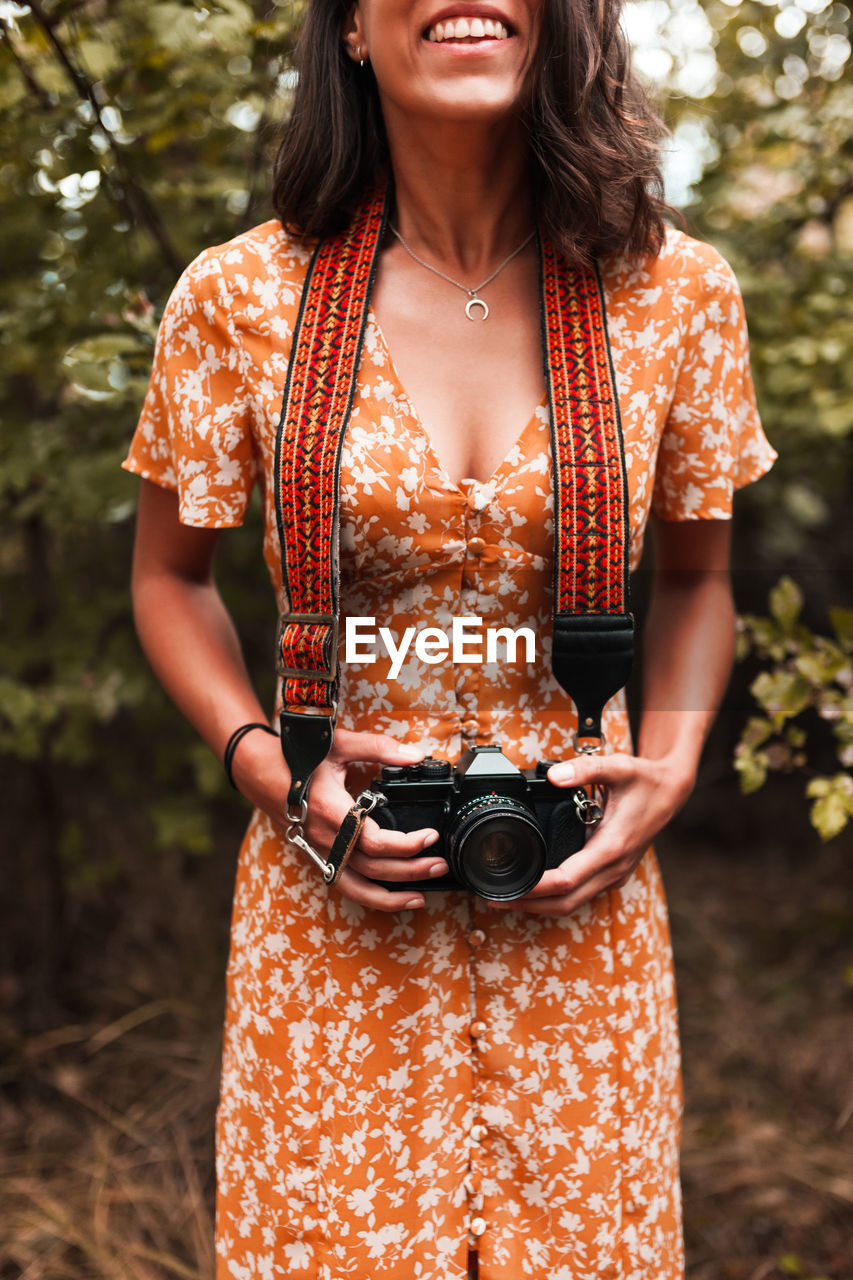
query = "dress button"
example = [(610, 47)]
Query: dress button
[(476, 937), (478, 1132), (476, 547), (478, 1029), (630, 1207), (478, 1226)]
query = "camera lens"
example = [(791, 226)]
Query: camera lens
[(495, 847)]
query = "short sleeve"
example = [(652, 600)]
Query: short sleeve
[(712, 442), (194, 432)]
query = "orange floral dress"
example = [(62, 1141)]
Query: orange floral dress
[(397, 1087)]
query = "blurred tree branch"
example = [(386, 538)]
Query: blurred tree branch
[(132, 197)]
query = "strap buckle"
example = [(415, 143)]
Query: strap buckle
[(309, 673), (587, 746), (370, 800), (590, 809)]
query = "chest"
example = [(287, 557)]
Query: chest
[(473, 382)]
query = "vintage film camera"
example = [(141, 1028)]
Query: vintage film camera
[(500, 828)]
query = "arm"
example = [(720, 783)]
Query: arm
[(689, 643), (689, 649), (190, 640)]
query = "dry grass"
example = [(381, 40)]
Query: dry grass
[(764, 948), (106, 1123), (106, 1151)]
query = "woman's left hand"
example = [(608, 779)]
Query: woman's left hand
[(642, 796)]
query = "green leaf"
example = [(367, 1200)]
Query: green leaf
[(842, 625), (96, 368), (786, 602), (833, 806), (782, 694), (829, 816), (752, 768)]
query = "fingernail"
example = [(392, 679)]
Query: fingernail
[(438, 870), (561, 772), (430, 839), (411, 753), (414, 902)]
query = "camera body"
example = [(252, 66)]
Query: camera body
[(500, 828)]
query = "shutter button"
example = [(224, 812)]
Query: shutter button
[(476, 547)]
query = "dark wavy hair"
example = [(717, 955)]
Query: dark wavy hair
[(593, 134)]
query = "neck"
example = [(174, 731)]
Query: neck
[(463, 192)]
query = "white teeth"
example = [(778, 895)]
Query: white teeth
[(464, 29)]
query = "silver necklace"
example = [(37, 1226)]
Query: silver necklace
[(473, 300)]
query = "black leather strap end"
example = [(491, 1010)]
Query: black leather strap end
[(346, 840), (306, 740), (592, 657)]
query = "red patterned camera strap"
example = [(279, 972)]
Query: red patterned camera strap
[(590, 482), (591, 500), (318, 399)]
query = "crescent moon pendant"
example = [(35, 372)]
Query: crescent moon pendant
[(476, 302)]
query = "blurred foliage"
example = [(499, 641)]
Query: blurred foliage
[(136, 135), (805, 673), (776, 197), (773, 125)]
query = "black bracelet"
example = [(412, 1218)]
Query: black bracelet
[(234, 741)]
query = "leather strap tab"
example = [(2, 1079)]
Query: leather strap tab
[(306, 740), (591, 657)]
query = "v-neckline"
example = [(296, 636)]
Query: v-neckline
[(466, 482)]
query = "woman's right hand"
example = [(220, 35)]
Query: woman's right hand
[(260, 773)]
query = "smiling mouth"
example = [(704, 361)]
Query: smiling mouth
[(467, 31)]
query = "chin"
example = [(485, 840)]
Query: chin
[(471, 101)]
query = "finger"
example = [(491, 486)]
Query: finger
[(562, 897), (607, 858), (561, 904), (576, 871), (398, 869), (377, 747), (367, 894), (379, 842), (589, 770)]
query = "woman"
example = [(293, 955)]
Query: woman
[(416, 1084)]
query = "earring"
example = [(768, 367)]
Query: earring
[(362, 58)]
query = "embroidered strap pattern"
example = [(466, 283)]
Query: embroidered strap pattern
[(317, 403), (590, 483)]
